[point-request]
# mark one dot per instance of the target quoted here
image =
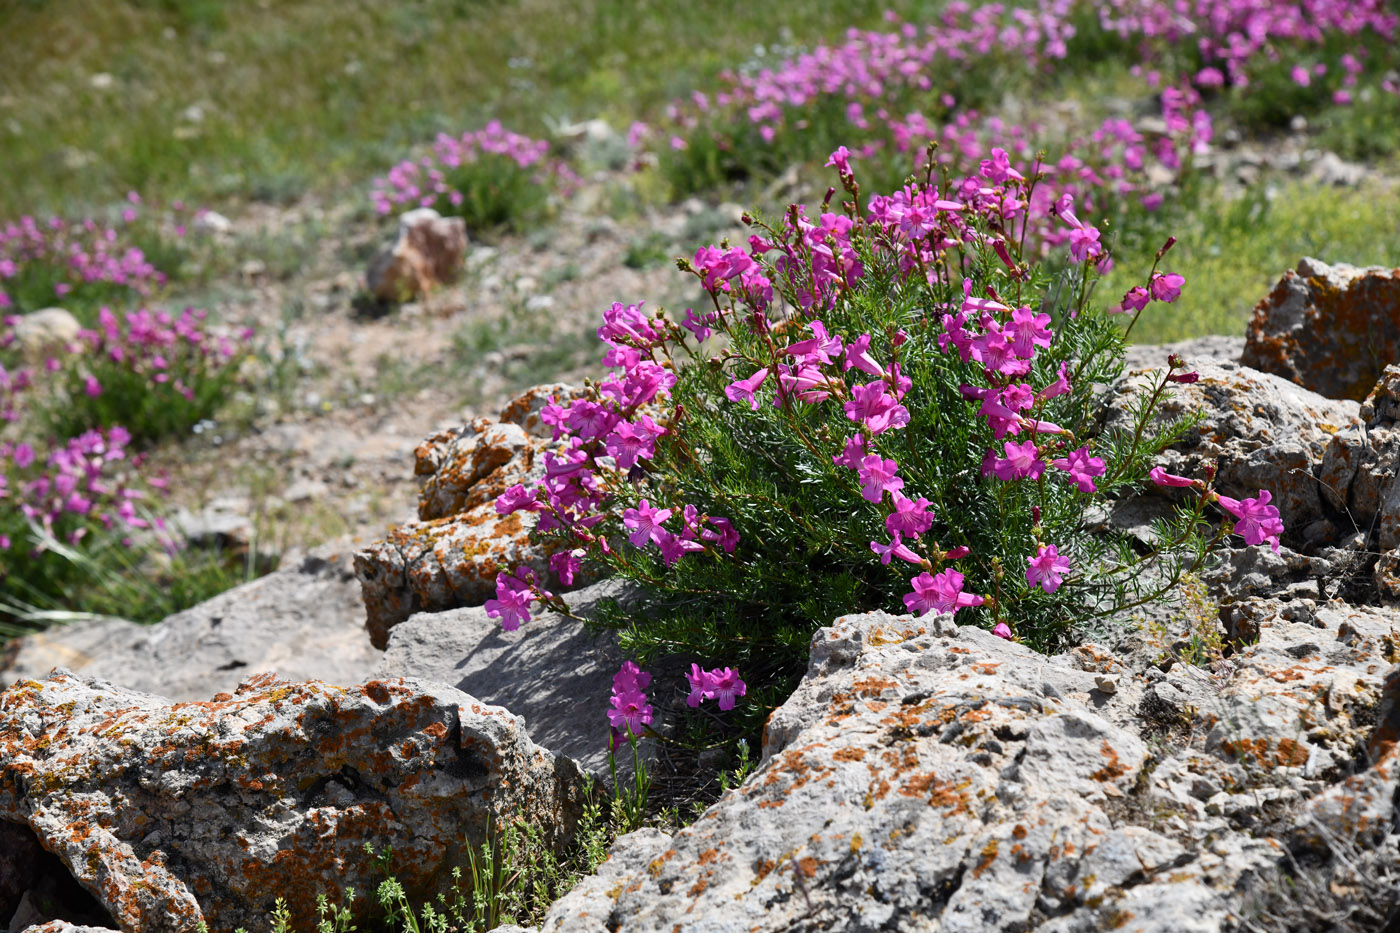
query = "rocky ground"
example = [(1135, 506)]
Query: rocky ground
[(923, 775)]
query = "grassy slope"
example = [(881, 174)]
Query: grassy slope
[(306, 94)]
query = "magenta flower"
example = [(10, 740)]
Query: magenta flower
[(565, 564), (877, 477), (742, 390), (630, 712), (1027, 331), (1081, 468), (840, 160), (941, 592), (92, 387), (725, 686), (1256, 520), (1162, 478), (516, 498), (1167, 286), (896, 548), (696, 326), (876, 410), (696, 677), (1021, 462), (644, 522), (630, 677), (1046, 568), (512, 602), (852, 455), (1002, 630), (910, 517), (1135, 300), (722, 685), (726, 536)]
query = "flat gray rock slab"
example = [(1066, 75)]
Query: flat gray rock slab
[(550, 672), (306, 623)]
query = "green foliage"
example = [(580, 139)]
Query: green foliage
[(150, 411), (494, 193), (1232, 250)]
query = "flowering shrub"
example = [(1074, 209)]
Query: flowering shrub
[(75, 265), (883, 408), (82, 489), (154, 373), (490, 177), (887, 92)]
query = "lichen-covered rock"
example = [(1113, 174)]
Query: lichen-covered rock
[(1331, 329), (173, 814), (305, 623), (450, 557), (428, 251), (1264, 432), (925, 776)]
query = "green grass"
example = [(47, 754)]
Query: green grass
[(1232, 253), (302, 95)]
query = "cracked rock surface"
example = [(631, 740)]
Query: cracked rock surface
[(173, 814), (929, 776)]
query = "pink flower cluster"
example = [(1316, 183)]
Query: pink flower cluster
[(629, 712), (423, 182), (1230, 35), (603, 440), (74, 254), (723, 685), (166, 348), (76, 489)]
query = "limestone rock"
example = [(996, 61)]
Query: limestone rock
[(1264, 431), (545, 672), (173, 814), (929, 776), (1215, 347), (450, 557), (429, 251), (1331, 329), (304, 623)]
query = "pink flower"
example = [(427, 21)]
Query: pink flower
[(1167, 286), (565, 564), (1046, 568), (910, 517), (852, 455), (630, 712), (695, 326), (874, 409), (1002, 630), (1162, 478), (645, 522), (896, 548), (1081, 468), (724, 686), (840, 160), (1021, 462), (877, 477), (1027, 331), (1256, 520), (743, 389), (512, 602), (1135, 300), (696, 677), (941, 592)]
